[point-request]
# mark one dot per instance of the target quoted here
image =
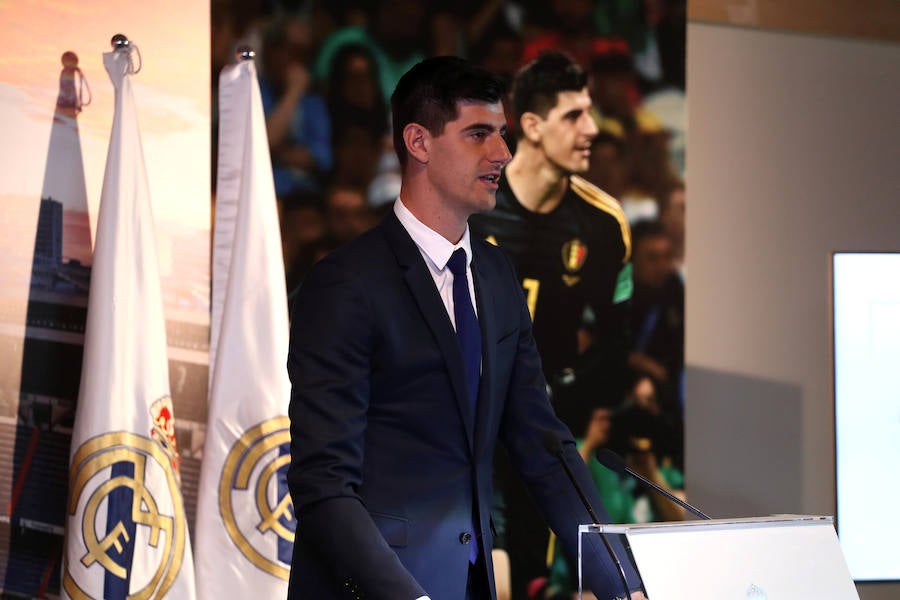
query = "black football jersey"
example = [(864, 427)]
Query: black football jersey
[(574, 264)]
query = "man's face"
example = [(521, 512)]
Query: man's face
[(567, 132), (653, 262), (360, 87), (348, 214), (599, 426), (612, 92), (465, 161), (673, 217)]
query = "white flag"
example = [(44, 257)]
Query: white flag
[(245, 519), (126, 532)]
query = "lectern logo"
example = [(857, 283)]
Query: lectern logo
[(124, 498), (254, 500), (754, 592)]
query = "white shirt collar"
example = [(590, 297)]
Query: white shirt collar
[(433, 246)]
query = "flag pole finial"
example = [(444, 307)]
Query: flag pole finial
[(121, 43)]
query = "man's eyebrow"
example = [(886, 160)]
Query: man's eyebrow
[(484, 127)]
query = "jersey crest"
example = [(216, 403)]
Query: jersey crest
[(574, 254)]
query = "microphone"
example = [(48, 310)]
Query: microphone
[(554, 446), (614, 462)]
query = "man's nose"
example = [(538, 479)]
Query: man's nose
[(500, 152), (589, 125)]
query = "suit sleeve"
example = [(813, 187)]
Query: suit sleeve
[(527, 417), (329, 361)]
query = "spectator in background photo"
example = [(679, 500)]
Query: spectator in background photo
[(363, 149), (672, 213), (608, 168), (500, 53), (357, 154), (671, 42), (395, 32), (347, 213), (328, 16), (658, 317), (317, 229), (635, 21), (645, 140), (469, 27), (566, 26), (303, 224), (296, 118), (353, 92)]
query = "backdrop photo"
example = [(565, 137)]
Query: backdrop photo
[(56, 109)]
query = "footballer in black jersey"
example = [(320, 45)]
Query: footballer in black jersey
[(573, 262), (570, 244)]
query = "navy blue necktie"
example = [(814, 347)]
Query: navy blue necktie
[(467, 330), (469, 335)]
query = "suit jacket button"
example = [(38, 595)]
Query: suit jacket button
[(465, 537)]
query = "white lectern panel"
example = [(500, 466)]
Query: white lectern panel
[(767, 558)]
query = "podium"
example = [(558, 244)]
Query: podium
[(766, 558)]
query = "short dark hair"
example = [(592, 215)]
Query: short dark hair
[(536, 84), (664, 195), (428, 94), (646, 229)]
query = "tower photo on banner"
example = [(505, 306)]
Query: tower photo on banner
[(57, 106)]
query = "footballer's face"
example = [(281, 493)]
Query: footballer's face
[(568, 130)]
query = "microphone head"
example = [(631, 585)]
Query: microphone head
[(552, 443), (611, 460)]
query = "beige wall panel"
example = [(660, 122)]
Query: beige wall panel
[(874, 19), (785, 166)]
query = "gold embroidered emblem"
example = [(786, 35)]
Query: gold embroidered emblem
[(574, 253), (155, 515), (252, 503)]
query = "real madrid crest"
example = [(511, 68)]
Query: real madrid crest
[(124, 497), (253, 496), (574, 253)]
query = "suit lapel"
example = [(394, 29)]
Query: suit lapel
[(421, 284), (487, 322)]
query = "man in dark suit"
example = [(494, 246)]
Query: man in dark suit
[(411, 355)]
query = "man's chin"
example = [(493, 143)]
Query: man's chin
[(581, 167), (488, 204)]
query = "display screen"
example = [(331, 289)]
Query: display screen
[(867, 411)]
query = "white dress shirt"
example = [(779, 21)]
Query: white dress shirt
[(436, 251)]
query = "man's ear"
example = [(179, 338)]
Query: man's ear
[(531, 126), (417, 140)]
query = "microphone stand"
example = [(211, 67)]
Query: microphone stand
[(554, 445), (614, 462)]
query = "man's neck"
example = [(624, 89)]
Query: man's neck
[(434, 215), (537, 184)]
